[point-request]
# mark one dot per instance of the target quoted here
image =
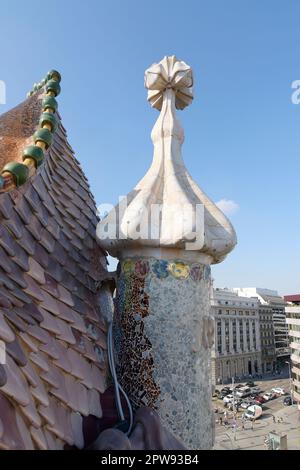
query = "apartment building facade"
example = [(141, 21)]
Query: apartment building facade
[(271, 299), (293, 321), (237, 349)]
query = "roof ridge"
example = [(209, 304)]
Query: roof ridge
[(14, 174)]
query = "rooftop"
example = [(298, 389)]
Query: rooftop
[(295, 298)]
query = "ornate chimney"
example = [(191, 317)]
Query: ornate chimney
[(166, 234)]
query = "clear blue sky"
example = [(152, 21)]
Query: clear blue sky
[(242, 130)]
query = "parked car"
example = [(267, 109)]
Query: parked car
[(243, 392), (278, 391), (223, 395), (255, 390), (287, 401), (234, 404), (259, 399), (250, 384), (245, 404), (225, 390), (253, 412), (253, 395), (228, 398), (269, 396)]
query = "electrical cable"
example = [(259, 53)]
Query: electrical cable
[(113, 373), (130, 410), (117, 386)]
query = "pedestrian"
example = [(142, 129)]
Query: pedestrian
[(252, 423), (221, 420), (274, 419), (243, 425)]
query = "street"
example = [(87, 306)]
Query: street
[(252, 436)]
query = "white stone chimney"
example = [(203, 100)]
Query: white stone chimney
[(166, 235)]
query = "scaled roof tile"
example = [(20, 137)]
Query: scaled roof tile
[(16, 352), (16, 386), (6, 332), (36, 271), (38, 438)]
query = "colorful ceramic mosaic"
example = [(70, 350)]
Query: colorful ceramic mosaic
[(128, 266), (179, 270), (196, 272), (133, 348), (141, 268), (162, 335), (162, 268), (207, 273)]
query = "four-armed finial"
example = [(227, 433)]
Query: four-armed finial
[(169, 73), (163, 211)]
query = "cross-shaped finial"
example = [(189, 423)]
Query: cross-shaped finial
[(169, 73)]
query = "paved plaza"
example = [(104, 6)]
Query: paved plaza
[(276, 418)]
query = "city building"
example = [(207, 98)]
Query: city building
[(237, 349), (271, 298), (292, 310), (267, 339)]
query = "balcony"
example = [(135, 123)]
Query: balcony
[(296, 396), (296, 370), (295, 358), (297, 383), (283, 352), (294, 333), (293, 321)]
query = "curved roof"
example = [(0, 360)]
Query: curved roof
[(17, 127), (51, 325)]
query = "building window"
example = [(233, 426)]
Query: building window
[(241, 335), (254, 335), (234, 335), (248, 333), (227, 335)]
